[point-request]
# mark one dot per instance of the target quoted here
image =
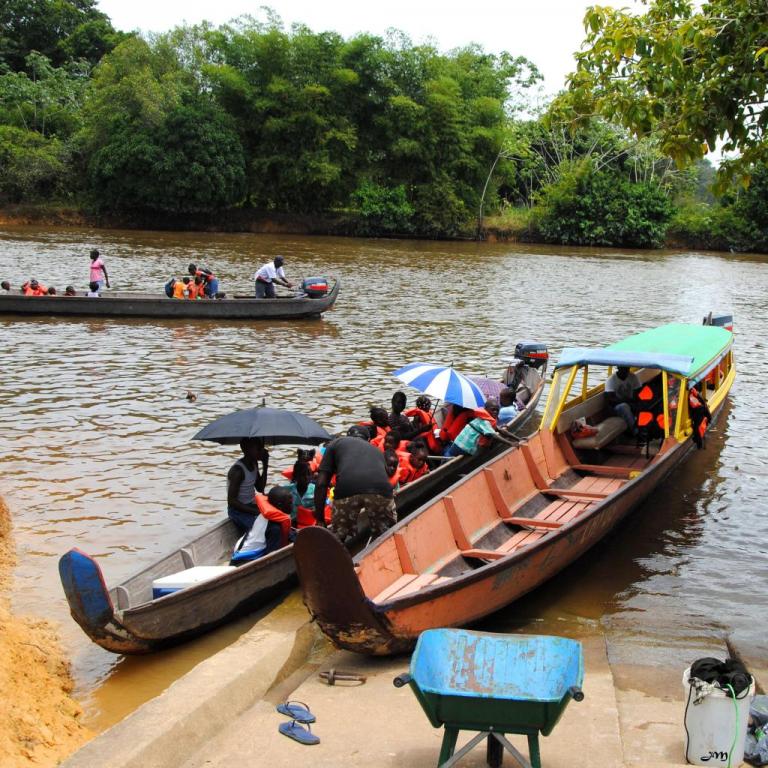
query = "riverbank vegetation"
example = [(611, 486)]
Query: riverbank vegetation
[(377, 134)]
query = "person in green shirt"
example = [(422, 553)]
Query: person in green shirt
[(302, 490), (476, 434)]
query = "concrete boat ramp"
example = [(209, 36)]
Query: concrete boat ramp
[(222, 713)]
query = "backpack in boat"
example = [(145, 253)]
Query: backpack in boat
[(725, 673), (168, 287)]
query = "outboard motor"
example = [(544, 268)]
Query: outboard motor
[(315, 287), (722, 321), (532, 353), (527, 368)]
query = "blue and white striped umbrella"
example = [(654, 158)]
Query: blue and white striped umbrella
[(442, 382)]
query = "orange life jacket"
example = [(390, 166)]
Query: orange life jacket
[(178, 289), (272, 513), (28, 290), (424, 418), (453, 424), (305, 517), (409, 473), (314, 464)]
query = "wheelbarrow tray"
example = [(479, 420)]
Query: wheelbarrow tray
[(482, 681)]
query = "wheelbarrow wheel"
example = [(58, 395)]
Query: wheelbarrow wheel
[(494, 752)]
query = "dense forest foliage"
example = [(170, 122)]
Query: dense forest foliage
[(389, 136)]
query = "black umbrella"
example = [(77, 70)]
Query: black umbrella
[(273, 425)]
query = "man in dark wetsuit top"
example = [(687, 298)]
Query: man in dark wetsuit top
[(362, 483)]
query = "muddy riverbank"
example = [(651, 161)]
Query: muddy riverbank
[(39, 719)]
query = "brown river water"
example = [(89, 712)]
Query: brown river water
[(95, 448)]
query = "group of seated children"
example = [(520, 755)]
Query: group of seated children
[(35, 288), (409, 436), (200, 283)]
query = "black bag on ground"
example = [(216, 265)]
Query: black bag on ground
[(725, 673)]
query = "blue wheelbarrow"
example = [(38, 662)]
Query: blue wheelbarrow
[(494, 684)]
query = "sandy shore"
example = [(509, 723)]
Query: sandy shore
[(39, 720)]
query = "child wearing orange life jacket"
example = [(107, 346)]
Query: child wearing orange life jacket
[(392, 465), (413, 465), (302, 492), (271, 528), (33, 288), (197, 288)]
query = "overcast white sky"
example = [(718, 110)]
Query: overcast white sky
[(545, 31)]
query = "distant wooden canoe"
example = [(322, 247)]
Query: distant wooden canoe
[(519, 520), (126, 619), (129, 304)]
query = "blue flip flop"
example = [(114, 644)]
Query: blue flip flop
[(297, 732), (296, 710)]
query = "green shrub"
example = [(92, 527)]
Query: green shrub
[(383, 210), (32, 167), (589, 207)]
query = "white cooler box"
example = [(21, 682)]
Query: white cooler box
[(167, 585)]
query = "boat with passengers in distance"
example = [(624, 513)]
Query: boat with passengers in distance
[(519, 520), (133, 617), (133, 304)]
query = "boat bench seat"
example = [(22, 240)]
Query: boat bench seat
[(607, 431), (407, 583)]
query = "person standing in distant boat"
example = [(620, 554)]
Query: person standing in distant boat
[(270, 273), (98, 270)]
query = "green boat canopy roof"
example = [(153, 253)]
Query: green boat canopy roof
[(678, 348)]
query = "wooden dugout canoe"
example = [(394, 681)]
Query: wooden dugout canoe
[(129, 304), (516, 522), (126, 618)]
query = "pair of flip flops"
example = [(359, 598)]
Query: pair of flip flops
[(300, 717)]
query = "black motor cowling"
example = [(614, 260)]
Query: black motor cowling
[(533, 353)]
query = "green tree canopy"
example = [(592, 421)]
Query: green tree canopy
[(60, 30), (153, 141), (693, 75)]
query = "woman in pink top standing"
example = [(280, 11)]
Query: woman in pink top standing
[(98, 270)]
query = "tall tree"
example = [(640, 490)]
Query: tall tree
[(693, 75), (60, 30)]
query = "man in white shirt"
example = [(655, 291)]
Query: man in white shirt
[(620, 390), (272, 272)]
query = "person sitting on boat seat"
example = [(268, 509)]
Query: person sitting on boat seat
[(270, 273), (302, 491), (392, 465), (244, 480), (422, 420), (523, 380), (362, 484), (93, 290), (70, 291), (620, 391), (196, 288), (181, 287), (378, 426), (271, 529), (6, 286), (389, 441), (413, 464), (477, 433), (33, 288), (508, 410), (209, 280), (397, 419), (51, 291)]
